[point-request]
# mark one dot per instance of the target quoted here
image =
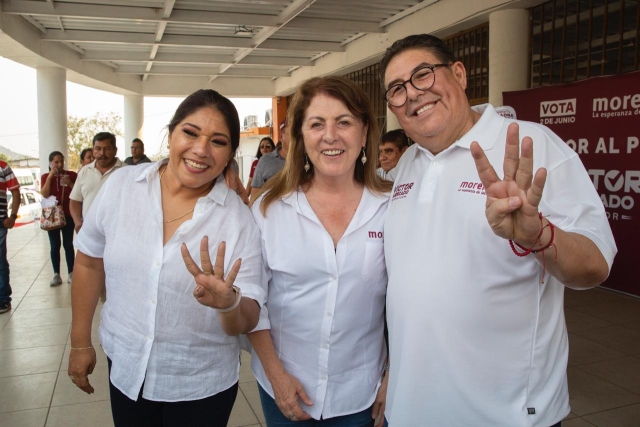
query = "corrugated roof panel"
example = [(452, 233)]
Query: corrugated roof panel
[(218, 30), (111, 47), (363, 10), (311, 35), (204, 50), (118, 25), (267, 7), (159, 4)]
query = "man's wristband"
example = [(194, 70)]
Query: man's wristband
[(14, 216)]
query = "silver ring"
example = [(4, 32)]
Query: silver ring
[(292, 417), (71, 377)]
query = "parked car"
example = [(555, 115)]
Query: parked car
[(30, 207)]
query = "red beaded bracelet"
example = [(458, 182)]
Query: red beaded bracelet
[(547, 246), (527, 251)]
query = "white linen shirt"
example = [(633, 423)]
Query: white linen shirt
[(152, 327), (325, 307), (476, 338)]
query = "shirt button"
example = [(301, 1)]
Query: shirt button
[(180, 234), (153, 301), (324, 378), (149, 338), (430, 182), (157, 263), (329, 314), (325, 346), (435, 163), (333, 277)]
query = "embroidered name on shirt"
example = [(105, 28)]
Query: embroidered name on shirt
[(376, 234), (472, 187), (401, 191)]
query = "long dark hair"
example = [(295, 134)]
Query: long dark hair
[(209, 98)]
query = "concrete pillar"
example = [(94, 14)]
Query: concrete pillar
[(392, 121), (52, 113), (508, 52), (278, 114), (133, 121)]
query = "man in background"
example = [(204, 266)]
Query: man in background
[(93, 176), (394, 143), (137, 153)]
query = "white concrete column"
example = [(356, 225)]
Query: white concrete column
[(392, 121), (508, 52), (133, 121), (52, 113)]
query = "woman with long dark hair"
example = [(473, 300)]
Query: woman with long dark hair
[(173, 359), (59, 182)]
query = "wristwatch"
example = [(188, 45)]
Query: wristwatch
[(14, 216)]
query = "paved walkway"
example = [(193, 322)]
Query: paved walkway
[(604, 360)]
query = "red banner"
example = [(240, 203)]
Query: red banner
[(599, 118)]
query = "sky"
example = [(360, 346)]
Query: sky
[(19, 110)]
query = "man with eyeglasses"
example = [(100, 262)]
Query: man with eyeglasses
[(478, 255)]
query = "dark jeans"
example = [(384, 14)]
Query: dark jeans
[(275, 418), (5, 287), (67, 239), (211, 411)]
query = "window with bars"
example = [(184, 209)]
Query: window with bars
[(471, 47), (576, 39), (368, 79)]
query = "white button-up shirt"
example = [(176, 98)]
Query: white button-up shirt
[(325, 306), (152, 327)]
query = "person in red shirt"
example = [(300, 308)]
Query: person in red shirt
[(59, 182), (8, 183)]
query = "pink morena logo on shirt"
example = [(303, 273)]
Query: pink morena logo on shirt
[(376, 234), (472, 187), (401, 191)]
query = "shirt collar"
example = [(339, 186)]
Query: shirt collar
[(485, 131), (369, 205), (117, 164), (218, 193)]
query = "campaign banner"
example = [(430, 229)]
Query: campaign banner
[(599, 118)]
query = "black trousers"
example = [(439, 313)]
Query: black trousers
[(212, 411), (56, 243)]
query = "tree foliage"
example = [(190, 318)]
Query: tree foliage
[(81, 131), (4, 157)]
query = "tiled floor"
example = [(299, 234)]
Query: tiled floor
[(604, 357)]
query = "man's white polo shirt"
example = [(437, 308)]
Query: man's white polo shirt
[(476, 338), (89, 182)]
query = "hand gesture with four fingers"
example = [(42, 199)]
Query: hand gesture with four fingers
[(211, 288), (512, 203)]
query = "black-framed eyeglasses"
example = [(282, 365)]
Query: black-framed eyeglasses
[(422, 79)]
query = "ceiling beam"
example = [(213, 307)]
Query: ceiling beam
[(192, 58), (340, 25), (79, 36), (136, 13), (198, 71)]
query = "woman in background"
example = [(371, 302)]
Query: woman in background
[(266, 146), (86, 157), (59, 182)]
